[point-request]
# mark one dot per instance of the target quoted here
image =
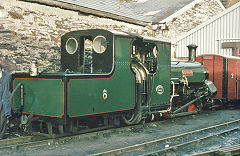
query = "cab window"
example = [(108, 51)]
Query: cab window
[(145, 53), (96, 56)]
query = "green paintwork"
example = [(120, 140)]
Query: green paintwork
[(162, 77), (42, 96), (84, 91), (199, 71), (86, 96)]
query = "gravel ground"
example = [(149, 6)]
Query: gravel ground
[(147, 132)]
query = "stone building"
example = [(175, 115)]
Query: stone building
[(32, 31)]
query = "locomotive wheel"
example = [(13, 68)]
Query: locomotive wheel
[(50, 128), (2, 123), (60, 129), (166, 114), (191, 108), (131, 119)]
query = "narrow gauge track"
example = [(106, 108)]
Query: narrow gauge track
[(36, 141), (42, 140), (169, 144), (229, 150), (23, 141)]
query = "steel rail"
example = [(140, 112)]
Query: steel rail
[(27, 144), (34, 141), (42, 140), (187, 143), (15, 143), (16, 140), (154, 142), (228, 150)]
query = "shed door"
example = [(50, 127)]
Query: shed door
[(232, 76)]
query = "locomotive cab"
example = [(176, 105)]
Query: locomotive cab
[(87, 53), (125, 60)]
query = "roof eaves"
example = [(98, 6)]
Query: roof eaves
[(220, 4)]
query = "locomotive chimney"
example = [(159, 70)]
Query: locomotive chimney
[(192, 52)]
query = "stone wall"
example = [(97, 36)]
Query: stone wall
[(32, 32)]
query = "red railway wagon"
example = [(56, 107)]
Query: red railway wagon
[(224, 71)]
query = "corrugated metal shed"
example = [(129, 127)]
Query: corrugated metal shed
[(136, 11), (209, 36)]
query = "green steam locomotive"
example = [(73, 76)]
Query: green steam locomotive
[(109, 78)]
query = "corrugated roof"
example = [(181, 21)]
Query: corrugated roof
[(163, 8), (135, 11), (111, 6)]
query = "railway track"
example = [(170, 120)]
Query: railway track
[(22, 142), (41, 140), (229, 150), (169, 143), (174, 143)]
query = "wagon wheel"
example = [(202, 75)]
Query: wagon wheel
[(2, 123)]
